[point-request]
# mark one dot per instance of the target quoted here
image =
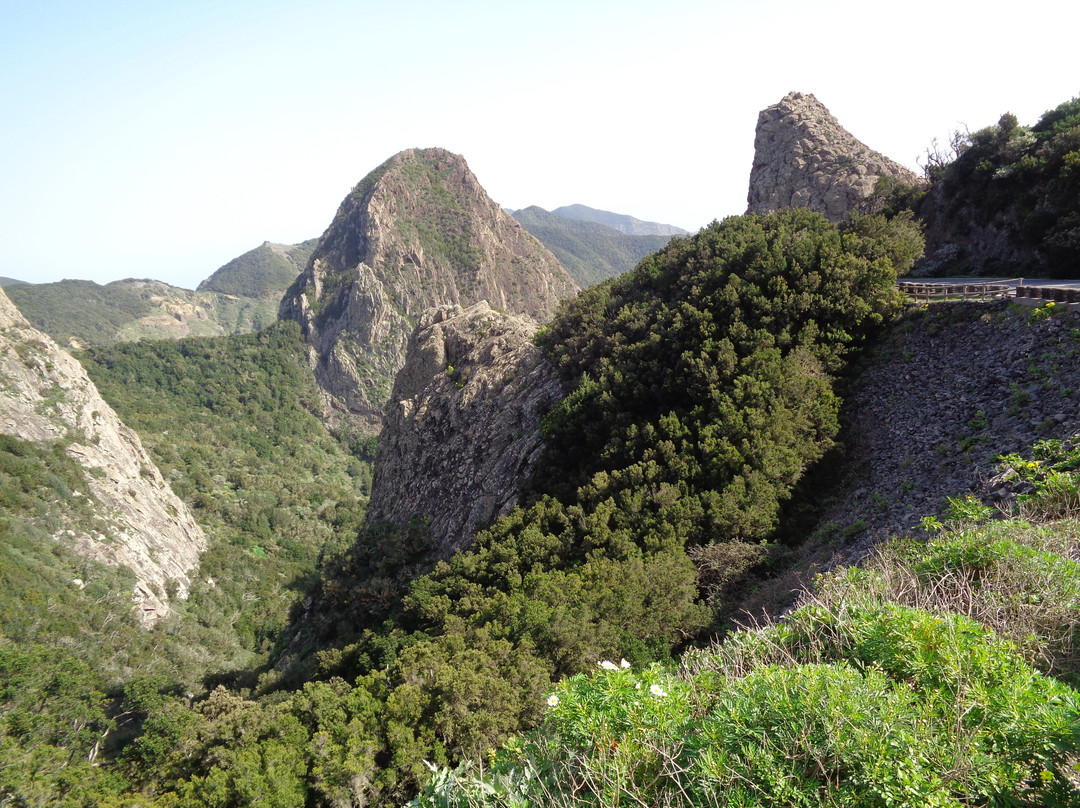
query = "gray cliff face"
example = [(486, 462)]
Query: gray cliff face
[(462, 428), (803, 158), (417, 232), (46, 396)]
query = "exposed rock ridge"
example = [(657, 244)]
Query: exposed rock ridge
[(417, 232), (934, 404), (804, 158), (46, 396), (462, 428)]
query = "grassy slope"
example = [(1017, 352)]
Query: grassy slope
[(264, 273)]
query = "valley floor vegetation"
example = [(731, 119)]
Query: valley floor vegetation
[(700, 389)]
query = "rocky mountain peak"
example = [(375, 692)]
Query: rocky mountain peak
[(46, 397), (804, 158), (462, 428), (418, 232)]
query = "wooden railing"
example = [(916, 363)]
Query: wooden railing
[(969, 290), (994, 290)]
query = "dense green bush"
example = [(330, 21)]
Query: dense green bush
[(878, 707), (1023, 181), (700, 386)]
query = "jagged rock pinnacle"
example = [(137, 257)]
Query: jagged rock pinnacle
[(462, 429), (804, 158), (417, 232)]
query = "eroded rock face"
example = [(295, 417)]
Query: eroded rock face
[(417, 232), (45, 395), (462, 428), (804, 158)]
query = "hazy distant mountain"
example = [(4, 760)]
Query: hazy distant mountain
[(591, 252), (10, 282), (619, 221)]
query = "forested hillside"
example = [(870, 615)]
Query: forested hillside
[(231, 423), (580, 650), (680, 458)]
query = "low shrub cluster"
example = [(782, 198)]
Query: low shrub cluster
[(938, 675)]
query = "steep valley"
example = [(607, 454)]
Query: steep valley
[(526, 590)]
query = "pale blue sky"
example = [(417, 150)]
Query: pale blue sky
[(149, 139)]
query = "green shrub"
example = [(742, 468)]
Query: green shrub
[(887, 706)]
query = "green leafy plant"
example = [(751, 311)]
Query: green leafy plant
[(834, 706), (967, 510), (1044, 312)]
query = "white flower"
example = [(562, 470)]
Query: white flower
[(656, 690), (624, 664), (553, 700), (637, 686), (608, 665)]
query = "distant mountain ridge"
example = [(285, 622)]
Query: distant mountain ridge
[(264, 273), (78, 314), (239, 297), (590, 251), (619, 221)]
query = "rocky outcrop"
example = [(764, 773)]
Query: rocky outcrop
[(416, 233), (803, 158), (462, 428), (46, 396)]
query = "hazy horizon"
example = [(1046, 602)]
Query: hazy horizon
[(161, 142)]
